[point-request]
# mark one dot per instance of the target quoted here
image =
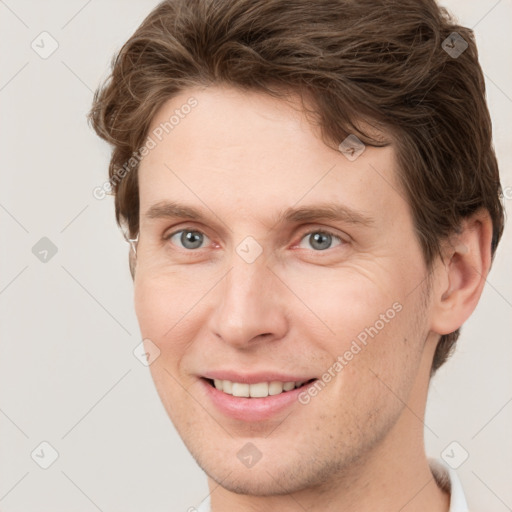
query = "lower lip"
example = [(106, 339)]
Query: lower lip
[(252, 409)]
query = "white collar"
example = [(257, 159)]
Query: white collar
[(445, 477)]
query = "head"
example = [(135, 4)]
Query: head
[(230, 122)]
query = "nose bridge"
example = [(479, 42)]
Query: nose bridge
[(248, 304), (244, 285)]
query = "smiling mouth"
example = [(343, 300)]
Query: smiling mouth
[(257, 390)]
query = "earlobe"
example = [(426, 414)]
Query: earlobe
[(467, 263)]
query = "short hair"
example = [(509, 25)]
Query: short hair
[(402, 66)]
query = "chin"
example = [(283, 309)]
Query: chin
[(274, 475), (254, 482)]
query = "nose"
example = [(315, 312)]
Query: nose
[(250, 305)]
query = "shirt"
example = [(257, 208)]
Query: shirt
[(445, 477)]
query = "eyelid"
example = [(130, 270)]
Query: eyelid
[(182, 226)]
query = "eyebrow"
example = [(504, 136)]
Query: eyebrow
[(324, 211)]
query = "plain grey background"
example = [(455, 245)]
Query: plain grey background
[(68, 375)]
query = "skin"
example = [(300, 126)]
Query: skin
[(241, 158)]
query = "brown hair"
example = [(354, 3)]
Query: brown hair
[(395, 64)]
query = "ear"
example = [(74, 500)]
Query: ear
[(462, 275)]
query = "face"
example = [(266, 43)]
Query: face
[(268, 261)]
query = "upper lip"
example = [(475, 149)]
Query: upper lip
[(254, 377)]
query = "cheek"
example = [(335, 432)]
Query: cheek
[(346, 301), (150, 302), (161, 310), (170, 308), (374, 324), (161, 313), (164, 301)]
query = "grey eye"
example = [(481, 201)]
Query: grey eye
[(189, 239), (320, 240)]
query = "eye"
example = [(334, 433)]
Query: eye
[(188, 238), (320, 240)]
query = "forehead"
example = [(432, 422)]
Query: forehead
[(250, 152)]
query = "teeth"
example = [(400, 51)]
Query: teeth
[(275, 388), (240, 389), (288, 386), (259, 390)]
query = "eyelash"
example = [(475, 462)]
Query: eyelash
[(304, 235)]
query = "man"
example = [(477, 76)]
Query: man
[(313, 204)]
